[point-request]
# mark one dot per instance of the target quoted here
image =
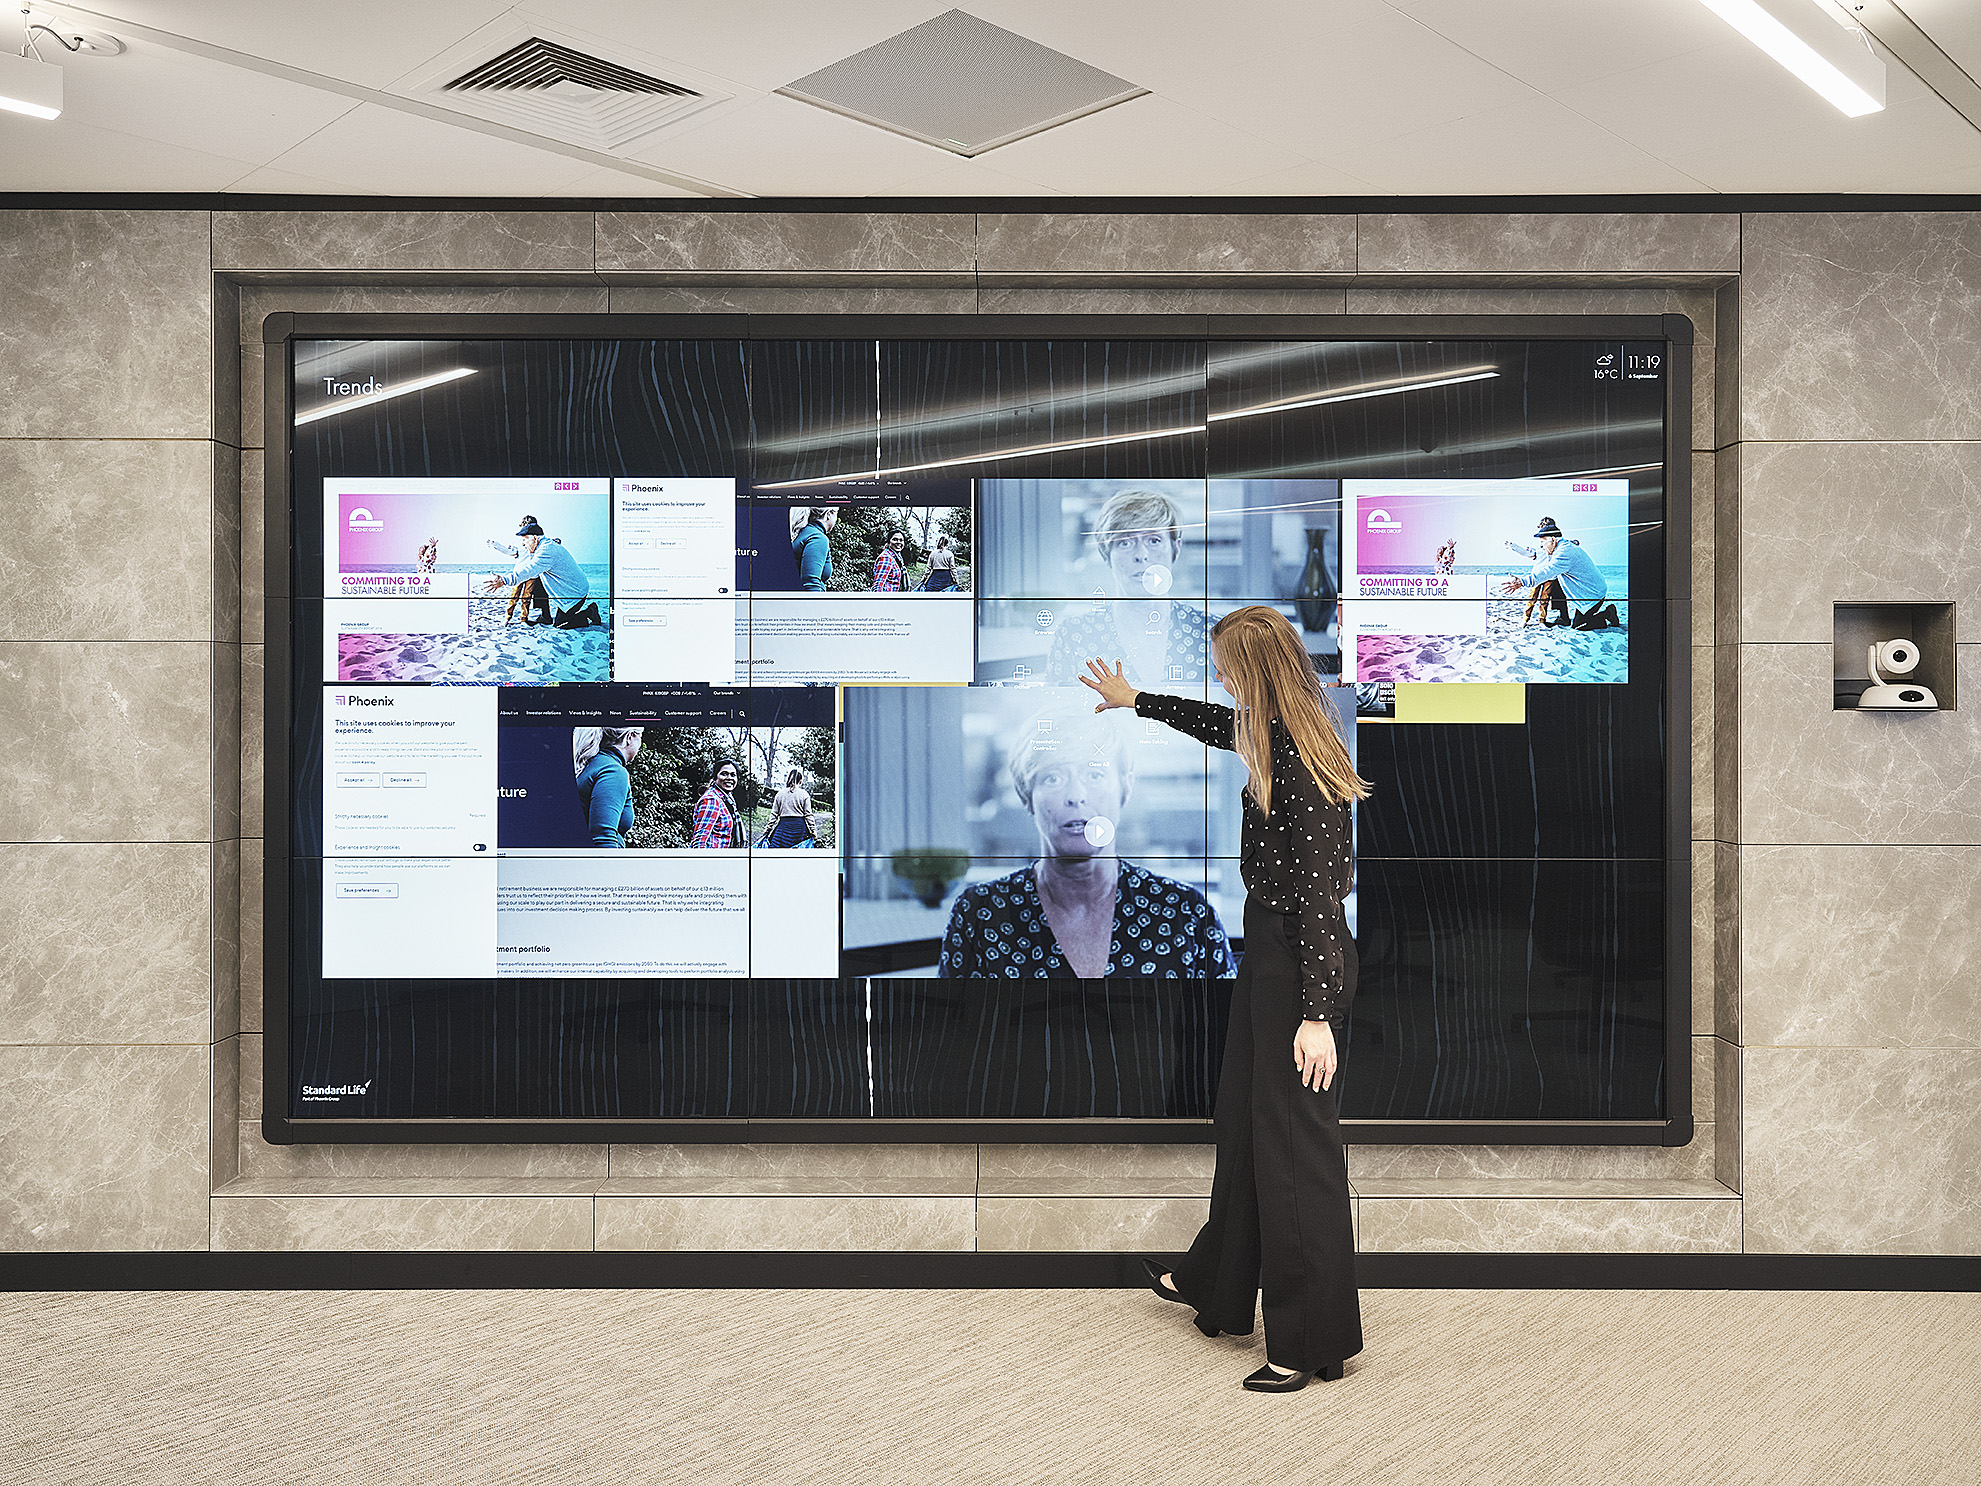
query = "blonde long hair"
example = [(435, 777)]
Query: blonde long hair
[(1275, 681)]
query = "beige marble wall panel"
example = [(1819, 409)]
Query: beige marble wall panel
[(106, 1147), (328, 1224), (1726, 364), (1705, 1016), (1371, 298), (251, 916), (1632, 1163), (1725, 529), (1861, 325), (1815, 775), (106, 320), (1862, 1150), (253, 721), (758, 1224), (224, 938), (1056, 1225), (224, 742), (261, 1162), (254, 539), (259, 301), (1705, 542), (1726, 941), (382, 241), (252, 392), (1705, 701), (1066, 1166), (1825, 522), (1726, 742), (223, 1130), (106, 740), (224, 555), (1164, 242), (789, 242), (1549, 242), (1550, 1225), (1861, 946), (791, 299), (1727, 1125), (1110, 300), (929, 1170), (109, 539), (226, 335), (104, 943)]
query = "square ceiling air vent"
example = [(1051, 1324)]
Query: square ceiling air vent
[(962, 84), (544, 79)]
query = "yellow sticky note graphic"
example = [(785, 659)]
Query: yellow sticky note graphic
[(1461, 701)]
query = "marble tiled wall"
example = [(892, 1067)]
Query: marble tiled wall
[(1854, 842), (119, 654), (1833, 354)]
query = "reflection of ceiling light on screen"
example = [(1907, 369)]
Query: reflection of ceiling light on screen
[(1826, 52), (1351, 394), (418, 384)]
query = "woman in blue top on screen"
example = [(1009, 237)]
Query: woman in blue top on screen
[(1079, 911), (1161, 640), (718, 823), (605, 784), (810, 546), (1279, 1221)]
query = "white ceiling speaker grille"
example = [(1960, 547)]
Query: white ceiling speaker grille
[(963, 85), (529, 80)]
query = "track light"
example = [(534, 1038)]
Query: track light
[(1826, 52)]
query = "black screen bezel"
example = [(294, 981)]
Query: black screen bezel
[(281, 328)]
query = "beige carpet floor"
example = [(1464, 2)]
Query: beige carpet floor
[(1643, 1387)]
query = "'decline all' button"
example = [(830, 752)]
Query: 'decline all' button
[(405, 781)]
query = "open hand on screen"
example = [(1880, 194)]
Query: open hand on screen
[(1113, 687)]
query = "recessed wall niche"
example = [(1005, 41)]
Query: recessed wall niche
[(1859, 626)]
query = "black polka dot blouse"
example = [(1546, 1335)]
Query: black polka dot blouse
[(1162, 928), (1297, 862)]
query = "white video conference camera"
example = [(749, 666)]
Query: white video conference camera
[(1895, 658)]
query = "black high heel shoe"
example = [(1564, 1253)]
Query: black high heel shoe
[(1269, 1379), (1169, 1292)]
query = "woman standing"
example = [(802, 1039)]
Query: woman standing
[(942, 567), (718, 823), (793, 810), (603, 758), (1280, 1221)]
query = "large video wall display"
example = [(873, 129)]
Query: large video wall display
[(690, 729)]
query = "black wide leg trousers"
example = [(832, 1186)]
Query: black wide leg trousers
[(1280, 1221)]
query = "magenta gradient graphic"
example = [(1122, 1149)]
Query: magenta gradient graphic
[(1408, 528), (396, 539)]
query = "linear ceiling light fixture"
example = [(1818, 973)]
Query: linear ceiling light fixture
[(30, 86), (1829, 52), (367, 399)]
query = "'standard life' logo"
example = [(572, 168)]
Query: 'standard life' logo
[(326, 1093), (1380, 521), (363, 520)]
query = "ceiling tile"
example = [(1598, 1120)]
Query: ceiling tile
[(1532, 147), (266, 181), (776, 146), (67, 155), (361, 41), (381, 149), (1875, 153), (1307, 179), (241, 114), (1145, 147), (1545, 42), (971, 178), (623, 183)]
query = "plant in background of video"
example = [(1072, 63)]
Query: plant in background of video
[(929, 873)]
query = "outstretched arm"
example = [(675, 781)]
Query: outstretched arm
[(1204, 721)]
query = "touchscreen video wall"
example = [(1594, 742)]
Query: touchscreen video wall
[(690, 728)]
